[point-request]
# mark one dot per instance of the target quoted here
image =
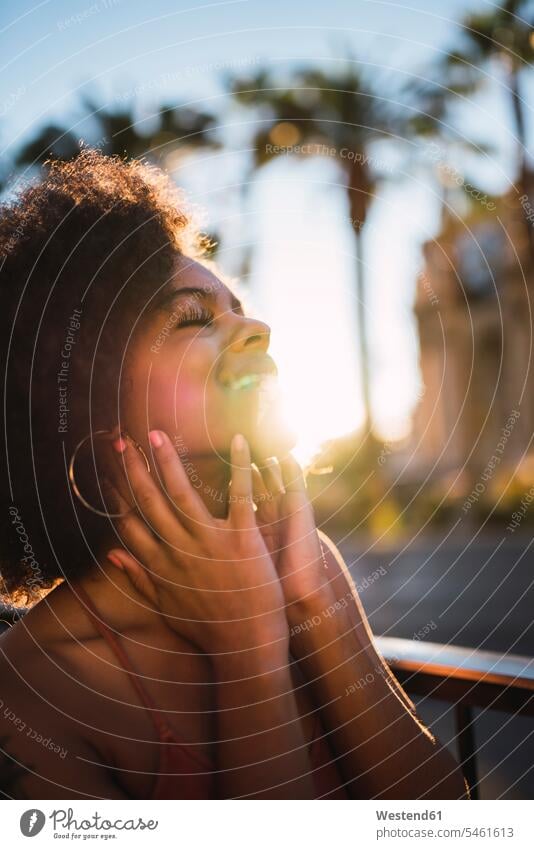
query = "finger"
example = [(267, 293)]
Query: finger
[(136, 572), (176, 483), (267, 515), (241, 511), (273, 476), (259, 490), (147, 497), (114, 501), (292, 475), (114, 475), (134, 534), (266, 504), (296, 500)]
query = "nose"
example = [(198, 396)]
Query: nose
[(251, 335)]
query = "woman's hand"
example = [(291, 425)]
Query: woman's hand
[(285, 518), (214, 581)]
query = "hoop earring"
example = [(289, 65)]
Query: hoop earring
[(72, 478)]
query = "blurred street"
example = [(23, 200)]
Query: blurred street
[(475, 593)]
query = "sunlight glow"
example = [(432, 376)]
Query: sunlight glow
[(303, 285)]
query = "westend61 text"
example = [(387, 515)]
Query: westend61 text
[(408, 815)]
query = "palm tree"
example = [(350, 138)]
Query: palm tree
[(51, 140), (504, 36), (116, 131), (342, 111), (180, 132)]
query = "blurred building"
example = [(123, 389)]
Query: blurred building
[(474, 311)]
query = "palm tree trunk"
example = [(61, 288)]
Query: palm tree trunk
[(360, 191), (362, 335)]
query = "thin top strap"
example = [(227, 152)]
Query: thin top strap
[(114, 643)]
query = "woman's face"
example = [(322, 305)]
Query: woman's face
[(198, 368)]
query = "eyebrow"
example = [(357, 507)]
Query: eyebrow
[(169, 297)]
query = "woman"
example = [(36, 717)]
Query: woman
[(196, 636)]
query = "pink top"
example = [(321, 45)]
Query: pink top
[(184, 773)]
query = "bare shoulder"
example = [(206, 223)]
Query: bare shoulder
[(29, 670), (32, 667), (42, 755), (72, 720), (58, 719)]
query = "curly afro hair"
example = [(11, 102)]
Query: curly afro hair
[(80, 252)]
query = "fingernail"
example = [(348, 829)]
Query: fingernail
[(156, 439), (115, 560), (239, 442), (119, 445)]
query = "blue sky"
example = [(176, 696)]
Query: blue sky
[(56, 46), (174, 52)]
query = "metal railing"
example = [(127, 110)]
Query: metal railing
[(467, 678)]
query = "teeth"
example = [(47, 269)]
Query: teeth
[(249, 380), (245, 381)]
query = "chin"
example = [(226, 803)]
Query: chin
[(275, 441), (261, 419)]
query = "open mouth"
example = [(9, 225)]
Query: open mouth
[(256, 376), (247, 381)]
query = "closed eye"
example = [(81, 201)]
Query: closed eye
[(195, 315)]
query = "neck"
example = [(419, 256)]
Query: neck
[(210, 476), (119, 603)]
